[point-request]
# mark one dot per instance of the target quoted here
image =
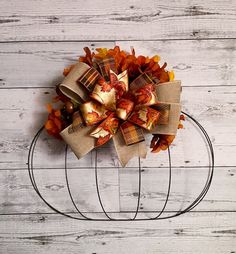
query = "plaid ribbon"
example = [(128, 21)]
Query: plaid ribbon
[(89, 79), (140, 81), (132, 134), (164, 109), (105, 65)]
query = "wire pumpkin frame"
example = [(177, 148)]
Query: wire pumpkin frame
[(160, 213)]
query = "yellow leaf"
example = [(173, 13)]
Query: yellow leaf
[(156, 58), (102, 52), (171, 75)]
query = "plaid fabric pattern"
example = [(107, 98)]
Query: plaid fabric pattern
[(164, 109), (105, 65), (132, 134), (140, 81), (89, 79)]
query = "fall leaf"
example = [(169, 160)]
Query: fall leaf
[(88, 58), (102, 53), (68, 69), (113, 77), (156, 58), (145, 95), (135, 118), (106, 129), (57, 113), (49, 108), (125, 104), (161, 142), (54, 124), (110, 124), (171, 75), (102, 140), (92, 118), (182, 117), (135, 65), (106, 87), (100, 132)]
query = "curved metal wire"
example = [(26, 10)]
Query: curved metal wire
[(157, 217), (69, 190), (99, 196), (168, 190)]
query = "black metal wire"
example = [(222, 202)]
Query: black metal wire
[(157, 217), (168, 190), (31, 173), (69, 190), (99, 196)]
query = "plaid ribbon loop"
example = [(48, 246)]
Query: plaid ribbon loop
[(106, 65)]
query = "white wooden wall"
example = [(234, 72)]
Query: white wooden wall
[(198, 41)]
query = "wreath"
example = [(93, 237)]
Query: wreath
[(113, 94)]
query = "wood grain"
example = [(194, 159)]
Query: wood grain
[(41, 64), (38, 39), (52, 184), (195, 63), (114, 20), (118, 188), (212, 233)]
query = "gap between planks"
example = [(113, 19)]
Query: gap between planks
[(122, 212), (114, 41)]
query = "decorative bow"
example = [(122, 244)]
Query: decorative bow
[(116, 104), (111, 105)]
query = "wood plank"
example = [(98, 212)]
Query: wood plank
[(41, 64), (70, 20), (207, 70), (196, 63), (212, 233), (20, 197), (186, 185), (22, 112), (117, 194)]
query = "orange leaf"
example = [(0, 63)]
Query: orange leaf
[(68, 69), (49, 125), (102, 140), (49, 108), (57, 113)]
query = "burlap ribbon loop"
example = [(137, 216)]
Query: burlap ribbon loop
[(108, 97), (168, 97)]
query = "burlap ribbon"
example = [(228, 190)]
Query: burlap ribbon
[(80, 85)]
